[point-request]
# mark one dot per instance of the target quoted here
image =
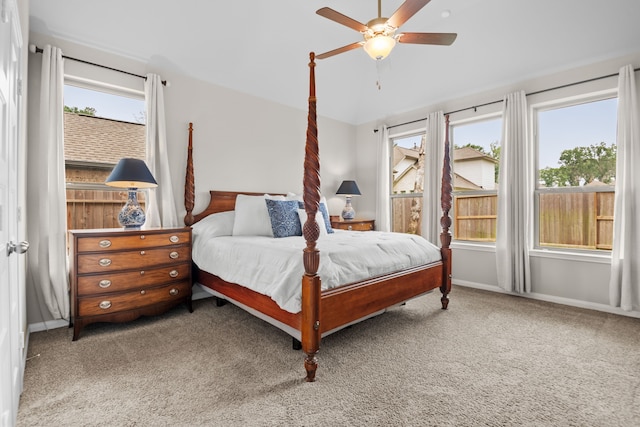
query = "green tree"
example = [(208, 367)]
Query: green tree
[(89, 111), (582, 165), (495, 153), (474, 146)]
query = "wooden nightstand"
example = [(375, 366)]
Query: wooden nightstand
[(354, 224), (119, 275)]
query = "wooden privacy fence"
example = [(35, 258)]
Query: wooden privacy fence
[(582, 220), (475, 217), (576, 220), (88, 209), (402, 214)]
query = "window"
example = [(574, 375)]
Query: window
[(99, 129), (576, 174), (407, 180), (476, 154)]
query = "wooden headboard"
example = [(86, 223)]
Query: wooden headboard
[(222, 201)]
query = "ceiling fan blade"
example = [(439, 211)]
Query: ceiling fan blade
[(339, 50), (341, 19), (444, 39), (406, 11)]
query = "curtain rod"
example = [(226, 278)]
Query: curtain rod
[(35, 49), (528, 94)]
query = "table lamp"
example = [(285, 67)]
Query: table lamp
[(132, 174), (348, 189)]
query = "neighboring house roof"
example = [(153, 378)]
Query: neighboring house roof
[(401, 153), (89, 139), (468, 153), (462, 183)]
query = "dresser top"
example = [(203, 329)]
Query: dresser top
[(122, 231)]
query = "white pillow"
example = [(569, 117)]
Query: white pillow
[(319, 220), (323, 201), (215, 225), (252, 216)]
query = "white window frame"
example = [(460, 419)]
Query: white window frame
[(452, 125), (552, 105), (392, 195), (111, 89)]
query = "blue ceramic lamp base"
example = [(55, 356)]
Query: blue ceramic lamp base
[(132, 217), (348, 212)]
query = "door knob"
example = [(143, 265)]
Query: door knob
[(19, 248)]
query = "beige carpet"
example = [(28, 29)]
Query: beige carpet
[(490, 360)]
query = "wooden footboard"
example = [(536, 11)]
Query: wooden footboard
[(339, 306)]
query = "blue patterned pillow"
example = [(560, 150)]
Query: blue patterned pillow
[(325, 214), (284, 217)]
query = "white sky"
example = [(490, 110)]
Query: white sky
[(106, 105)]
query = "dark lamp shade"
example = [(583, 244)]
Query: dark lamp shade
[(349, 188), (131, 173)]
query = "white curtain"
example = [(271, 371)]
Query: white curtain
[(47, 258), (624, 285), (434, 153), (515, 194), (383, 199), (161, 206)]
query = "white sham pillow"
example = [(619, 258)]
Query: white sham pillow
[(302, 214), (252, 217), (323, 207), (214, 225)]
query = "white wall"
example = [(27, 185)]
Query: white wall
[(241, 142), (556, 276)]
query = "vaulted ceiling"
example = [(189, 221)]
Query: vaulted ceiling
[(261, 47)]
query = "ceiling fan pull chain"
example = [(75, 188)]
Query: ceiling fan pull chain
[(379, 79)]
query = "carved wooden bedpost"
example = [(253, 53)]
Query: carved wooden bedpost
[(445, 221), (189, 184), (310, 328)]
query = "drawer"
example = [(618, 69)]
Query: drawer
[(355, 226), (92, 306), (129, 260), (116, 282), (137, 241)]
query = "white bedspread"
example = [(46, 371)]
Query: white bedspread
[(274, 267)]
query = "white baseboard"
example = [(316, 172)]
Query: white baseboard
[(50, 324), (550, 298)]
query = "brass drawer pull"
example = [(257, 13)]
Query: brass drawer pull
[(104, 283), (105, 305), (142, 292), (173, 273), (142, 237), (105, 262), (173, 291), (174, 239), (142, 273), (143, 253), (105, 243), (173, 255)]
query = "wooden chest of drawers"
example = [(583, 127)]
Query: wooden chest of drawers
[(354, 224), (119, 275)]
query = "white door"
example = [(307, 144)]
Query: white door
[(11, 340)]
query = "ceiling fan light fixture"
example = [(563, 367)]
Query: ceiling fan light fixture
[(380, 46)]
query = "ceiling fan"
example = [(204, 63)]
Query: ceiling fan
[(380, 33)]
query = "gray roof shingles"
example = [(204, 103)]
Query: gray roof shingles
[(89, 139)]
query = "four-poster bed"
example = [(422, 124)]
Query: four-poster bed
[(323, 311)]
